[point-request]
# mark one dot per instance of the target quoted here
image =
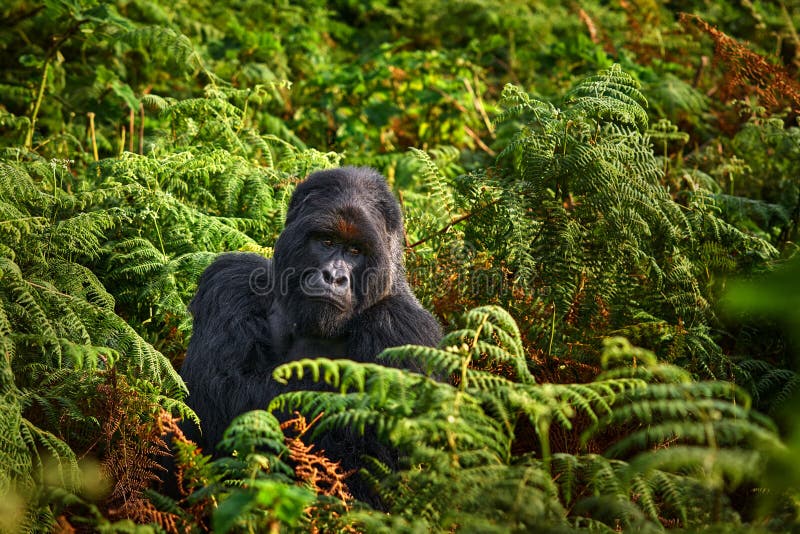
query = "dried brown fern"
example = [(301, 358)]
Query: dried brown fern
[(63, 526), (186, 453), (190, 470), (323, 475), (746, 72), (134, 440)]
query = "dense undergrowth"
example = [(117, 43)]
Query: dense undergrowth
[(601, 204)]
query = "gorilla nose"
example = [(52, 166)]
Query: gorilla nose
[(335, 277)]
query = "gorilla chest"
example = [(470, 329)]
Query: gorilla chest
[(313, 347)]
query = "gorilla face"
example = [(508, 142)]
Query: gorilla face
[(336, 256), (337, 262), (328, 283), (325, 281)]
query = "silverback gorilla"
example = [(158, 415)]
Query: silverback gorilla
[(336, 288)]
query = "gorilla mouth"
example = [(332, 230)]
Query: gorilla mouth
[(322, 316), (339, 304)]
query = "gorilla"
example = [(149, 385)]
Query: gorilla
[(335, 288)]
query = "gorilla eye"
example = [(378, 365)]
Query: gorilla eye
[(327, 242), (355, 251)]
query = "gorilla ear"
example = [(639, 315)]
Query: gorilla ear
[(392, 214)]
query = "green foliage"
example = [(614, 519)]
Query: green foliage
[(609, 247), (771, 298), (258, 495), (286, 505), (59, 330), (768, 196), (459, 468), (248, 489), (145, 226)]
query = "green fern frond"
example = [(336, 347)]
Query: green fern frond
[(429, 359), (735, 464), (163, 43), (489, 331), (770, 387), (589, 226), (459, 436), (611, 95), (156, 102), (517, 103), (434, 181), (51, 453), (254, 431)]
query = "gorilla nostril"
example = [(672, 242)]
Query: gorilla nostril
[(335, 277)]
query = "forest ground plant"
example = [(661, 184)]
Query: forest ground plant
[(589, 226), (459, 468)]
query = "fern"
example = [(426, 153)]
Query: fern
[(611, 96), (164, 44), (680, 436), (59, 328), (590, 228), (251, 486), (578, 229), (770, 387)]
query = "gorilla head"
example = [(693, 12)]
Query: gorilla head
[(341, 250)]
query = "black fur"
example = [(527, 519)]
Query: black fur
[(252, 314)]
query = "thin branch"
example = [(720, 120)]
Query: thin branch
[(478, 103), (36, 105), (478, 140), (92, 134), (454, 222), (402, 207)]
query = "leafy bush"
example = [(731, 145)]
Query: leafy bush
[(460, 468)]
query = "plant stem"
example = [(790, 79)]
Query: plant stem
[(141, 129), (552, 331), (91, 133), (131, 125), (50, 54), (36, 106), (454, 222)]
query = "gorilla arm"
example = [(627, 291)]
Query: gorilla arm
[(230, 355), (397, 319)]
